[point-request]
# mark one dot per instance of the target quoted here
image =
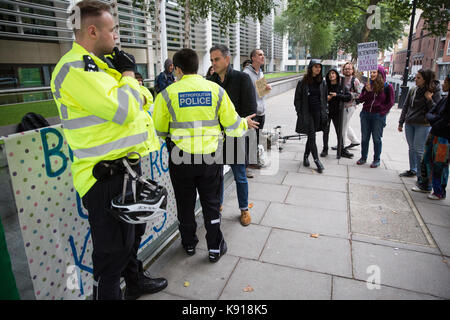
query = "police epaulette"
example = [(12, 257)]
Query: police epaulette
[(89, 64)]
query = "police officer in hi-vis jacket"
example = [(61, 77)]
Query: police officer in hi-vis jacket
[(189, 114)]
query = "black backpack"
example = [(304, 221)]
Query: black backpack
[(32, 121)]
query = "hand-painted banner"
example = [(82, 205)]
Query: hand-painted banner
[(53, 222)]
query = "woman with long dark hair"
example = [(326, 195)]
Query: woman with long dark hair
[(436, 156), (209, 73), (378, 98), (419, 101), (337, 95), (311, 105)]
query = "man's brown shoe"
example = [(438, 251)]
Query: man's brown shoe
[(245, 218), (249, 173)]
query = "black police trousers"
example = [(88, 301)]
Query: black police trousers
[(207, 179), (115, 243)]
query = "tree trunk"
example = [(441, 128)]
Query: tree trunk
[(306, 58), (187, 26), (297, 56)]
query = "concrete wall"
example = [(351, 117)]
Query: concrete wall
[(279, 87), (28, 52)]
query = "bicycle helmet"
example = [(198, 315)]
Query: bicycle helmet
[(146, 201)]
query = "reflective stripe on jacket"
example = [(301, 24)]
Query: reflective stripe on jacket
[(103, 114), (189, 112)]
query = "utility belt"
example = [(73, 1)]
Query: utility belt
[(106, 169)]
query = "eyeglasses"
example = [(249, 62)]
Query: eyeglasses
[(347, 68)]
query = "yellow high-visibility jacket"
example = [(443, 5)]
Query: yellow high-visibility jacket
[(103, 115), (189, 112)]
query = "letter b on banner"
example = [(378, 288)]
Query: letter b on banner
[(55, 151)]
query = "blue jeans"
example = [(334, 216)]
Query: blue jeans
[(240, 176), (372, 124), (416, 135)]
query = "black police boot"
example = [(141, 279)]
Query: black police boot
[(190, 250), (214, 257), (306, 160), (324, 152), (146, 285), (319, 165)]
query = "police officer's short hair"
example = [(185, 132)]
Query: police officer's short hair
[(90, 8), (222, 48), (187, 60)]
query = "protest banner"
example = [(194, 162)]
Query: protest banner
[(53, 222), (368, 56)]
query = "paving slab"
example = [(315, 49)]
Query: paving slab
[(384, 213), (320, 199), (377, 174), (316, 182), (442, 237), (398, 166), (247, 242), (299, 250), (206, 279), (433, 213), (289, 165), (288, 155), (267, 192), (349, 289), (410, 270), (334, 169), (422, 197), (383, 184), (396, 244), (398, 156), (284, 283), (276, 178), (304, 219)]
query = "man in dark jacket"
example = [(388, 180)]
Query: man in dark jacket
[(240, 89), (166, 77), (337, 95)]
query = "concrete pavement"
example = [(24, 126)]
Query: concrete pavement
[(369, 226)]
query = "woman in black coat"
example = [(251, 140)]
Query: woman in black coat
[(311, 106), (337, 95)]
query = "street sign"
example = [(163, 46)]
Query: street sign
[(367, 56)]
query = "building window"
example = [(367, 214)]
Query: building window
[(142, 69), (30, 77), (25, 76), (448, 48)]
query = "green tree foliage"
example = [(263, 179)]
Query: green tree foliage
[(303, 31), (227, 10), (350, 19), (436, 13)]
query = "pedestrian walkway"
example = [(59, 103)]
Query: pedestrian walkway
[(322, 236)]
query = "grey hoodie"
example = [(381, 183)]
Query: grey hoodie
[(261, 105), (416, 106)]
